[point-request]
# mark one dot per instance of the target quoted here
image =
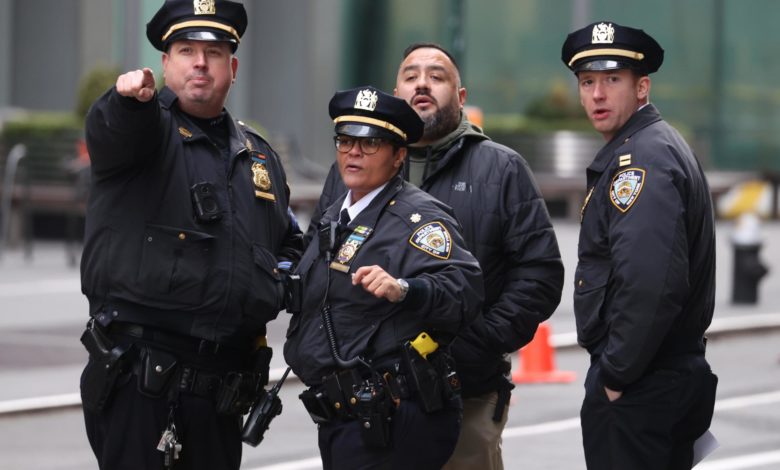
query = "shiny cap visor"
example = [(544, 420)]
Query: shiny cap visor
[(364, 130), (601, 65), (202, 36)]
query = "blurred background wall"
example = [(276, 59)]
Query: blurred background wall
[(718, 84)]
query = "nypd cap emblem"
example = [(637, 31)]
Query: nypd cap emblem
[(603, 33), (366, 100), (434, 239), (625, 188), (204, 7)]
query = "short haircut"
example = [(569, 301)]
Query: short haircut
[(430, 45)]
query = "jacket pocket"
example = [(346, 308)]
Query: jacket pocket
[(590, 290), (266, 291), (175, 262)]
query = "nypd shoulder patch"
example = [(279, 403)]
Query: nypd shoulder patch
[(434, 239), (625, 188)]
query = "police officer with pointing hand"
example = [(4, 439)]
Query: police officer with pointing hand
[(187, 224)]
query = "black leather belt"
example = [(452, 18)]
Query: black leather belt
[(199, 382), (187, 345)]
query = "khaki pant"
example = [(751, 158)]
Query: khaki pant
[(479, 444)]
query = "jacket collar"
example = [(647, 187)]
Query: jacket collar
[(638, 121), (439, 153), (369, 216), (167, 97), (238, 138)]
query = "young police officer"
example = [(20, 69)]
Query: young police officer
[(505, 225), (644, 286), (388, 284), (187, 220)]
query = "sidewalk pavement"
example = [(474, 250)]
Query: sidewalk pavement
[(42, 314)]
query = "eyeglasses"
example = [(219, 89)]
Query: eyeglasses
[(368, 145)]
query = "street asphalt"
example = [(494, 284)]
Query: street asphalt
[(42, 314)]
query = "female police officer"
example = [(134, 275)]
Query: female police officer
[(388, 284)]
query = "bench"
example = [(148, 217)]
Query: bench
[(44, 195)]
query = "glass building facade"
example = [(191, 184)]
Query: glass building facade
[(718, 85)]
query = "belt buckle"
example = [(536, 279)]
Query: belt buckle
[(188, 379), (208, 347)]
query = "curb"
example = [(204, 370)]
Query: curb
[(718, 327), (563, 341), (73, 400)]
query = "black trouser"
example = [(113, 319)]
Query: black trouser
[(419, 441), (125, 434), (654, 423)]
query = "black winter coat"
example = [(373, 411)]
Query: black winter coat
[(445, 293), (645, 282), (506, 226), (146, 259)]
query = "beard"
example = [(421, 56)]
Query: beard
[(442, 122)]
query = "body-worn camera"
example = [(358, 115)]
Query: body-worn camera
[(205, 203)]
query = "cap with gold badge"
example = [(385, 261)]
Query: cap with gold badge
[(369, 112), (197, 20), (608, 46)]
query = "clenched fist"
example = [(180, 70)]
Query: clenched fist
[(138, 84)]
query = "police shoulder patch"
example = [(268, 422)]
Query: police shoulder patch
[(625, 188), (434, 239)]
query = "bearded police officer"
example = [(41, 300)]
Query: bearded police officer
[(187, 221), (388, 284), (644, 285)]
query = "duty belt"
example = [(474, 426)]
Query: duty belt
[(170, 364), (339, 395), (186, 345)]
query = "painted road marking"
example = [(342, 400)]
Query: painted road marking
[(731, 463), (741, 462), (36, 288)]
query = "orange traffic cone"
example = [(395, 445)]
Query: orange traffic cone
[(537, 361)]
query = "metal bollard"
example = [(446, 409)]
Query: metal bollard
[(748, 268), (18, 152)]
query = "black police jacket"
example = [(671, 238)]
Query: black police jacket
[(645, 282), (507, 227), (412, 236), (146, 258)]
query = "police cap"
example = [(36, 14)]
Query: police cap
[(197, 20), (369, 112), (609, 46)]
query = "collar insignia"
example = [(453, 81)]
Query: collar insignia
[(434, 239), (185, 132), (625, 188)]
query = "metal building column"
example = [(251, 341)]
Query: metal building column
[(6, 34)]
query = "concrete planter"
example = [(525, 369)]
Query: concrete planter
[(558, 160), (563, 153)]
